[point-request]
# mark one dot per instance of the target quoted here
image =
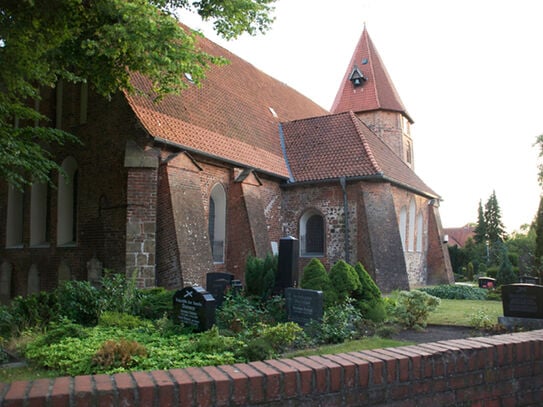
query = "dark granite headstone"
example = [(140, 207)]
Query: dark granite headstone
[(287, 275), (304, 305), (522, 300), (487, 282), (195, 307), (218, 284)]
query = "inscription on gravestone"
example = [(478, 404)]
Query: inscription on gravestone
[(218, 284), (195, 307), (304, 305), (522, 300)]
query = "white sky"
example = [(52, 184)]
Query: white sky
[(470, 73)]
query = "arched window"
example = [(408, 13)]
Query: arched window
[(14, 227), (312, 234), (411, 236), (403, 225), (39, 214), (67, 203), (217, 222), (420, 225)]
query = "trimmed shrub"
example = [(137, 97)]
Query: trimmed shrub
[(344, 280), (316, 278), (338, 324), (260, 276), (369, 299), (412, 308)]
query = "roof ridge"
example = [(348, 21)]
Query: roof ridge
[(357, 124)]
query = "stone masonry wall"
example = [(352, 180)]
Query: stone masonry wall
[(502, 370)]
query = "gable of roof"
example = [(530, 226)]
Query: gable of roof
[(459, 236), (233, 116), (377, 91), (340, 145)]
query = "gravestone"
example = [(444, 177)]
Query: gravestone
[(94, 271), (303, 305), (64, 272), (218, 284), (522, 300), (487, 282), (195, 307), (287, 273)]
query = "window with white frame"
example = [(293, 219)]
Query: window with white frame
[(403, 225), (67, 203), (312, 234), (420, 227), (217, 222)]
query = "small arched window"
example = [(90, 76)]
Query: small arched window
[(217, 222), (312, 234), (67, 203)]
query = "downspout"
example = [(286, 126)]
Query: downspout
[(343, 182)]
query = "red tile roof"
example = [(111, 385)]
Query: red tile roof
[(377, 92), (234, 115), (330, 147), (459, 236)]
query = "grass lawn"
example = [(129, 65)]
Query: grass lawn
[(461, 312)]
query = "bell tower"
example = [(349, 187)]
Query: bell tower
[(368, 91)]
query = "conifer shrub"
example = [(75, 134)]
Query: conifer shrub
[(315, 277), (260, 275), (344, 280), (369, 299), (505, 274)]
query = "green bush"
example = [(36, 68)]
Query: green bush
[(154, 303), (369, 299), (338, 324), (64, 328), (456, 292), (35, 310), (505, 274), (412, 308), (315, 277), (80, 302), (122, 320), (260, 276), (237, 313), (119, 293), (344, 280)]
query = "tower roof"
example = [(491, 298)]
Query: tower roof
[(366, 85)]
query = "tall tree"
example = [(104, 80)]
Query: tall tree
[(495, 230), (480, 227), (99, 42)]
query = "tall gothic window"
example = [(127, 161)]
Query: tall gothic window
[(312, 234), (67, 203), (411, 236), (403, 225), (420, 227), (39, 214), (14, 227), (217, 222)]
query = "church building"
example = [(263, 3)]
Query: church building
[(196, 183)]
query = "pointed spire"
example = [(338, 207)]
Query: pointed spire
[(366, 85)]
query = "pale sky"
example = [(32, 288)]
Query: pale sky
[(469, 72)]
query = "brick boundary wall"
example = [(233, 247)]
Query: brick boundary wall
[(501, 370)]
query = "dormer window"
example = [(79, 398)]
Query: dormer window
[(357, 77)]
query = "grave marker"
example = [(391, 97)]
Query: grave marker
[(304, 305), (218, 284), (522, 300), (195, 307)]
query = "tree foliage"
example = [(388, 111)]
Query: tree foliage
[(99, 42)]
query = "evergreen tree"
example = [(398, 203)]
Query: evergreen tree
[(495, 231), (344, 280), (316, 278), (505, 274), (480, 228)]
